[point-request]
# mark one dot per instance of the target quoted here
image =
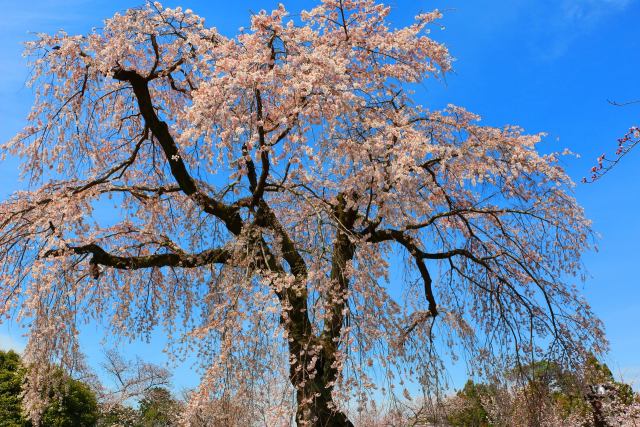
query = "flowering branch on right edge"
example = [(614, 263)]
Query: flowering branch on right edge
[(625, 145)]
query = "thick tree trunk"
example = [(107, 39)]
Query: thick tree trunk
[(313, 371), (320, 413), (313, 375)]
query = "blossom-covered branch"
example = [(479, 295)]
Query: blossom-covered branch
[(625, 145)]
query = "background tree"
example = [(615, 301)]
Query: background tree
[(550, 393), (550, 396), (268, 182), (589, 394), (607, 397), (70, 404), (11, 375), (129, 380), (118, 416), (158, 408), (471, 411)]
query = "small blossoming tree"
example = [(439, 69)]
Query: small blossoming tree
[(250, 195)]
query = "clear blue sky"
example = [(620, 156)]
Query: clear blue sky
[(546, 65)]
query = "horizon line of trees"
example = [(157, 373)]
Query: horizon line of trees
[(552, 396)]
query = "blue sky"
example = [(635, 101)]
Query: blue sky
[(546, 65)]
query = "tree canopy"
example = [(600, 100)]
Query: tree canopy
[(270, 181)]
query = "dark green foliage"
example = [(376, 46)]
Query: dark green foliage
[(73, 404), (11, 374), (158, 408), (472, 413)]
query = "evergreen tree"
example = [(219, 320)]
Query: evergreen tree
[(73, 403), (11, 374)]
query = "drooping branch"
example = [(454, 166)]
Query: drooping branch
[(487, 263), (122, 167), (428, 290), (418, 255)]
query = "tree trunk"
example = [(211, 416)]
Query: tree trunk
[(314, 372), (315, 405), (313, 375), (319, 413)]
